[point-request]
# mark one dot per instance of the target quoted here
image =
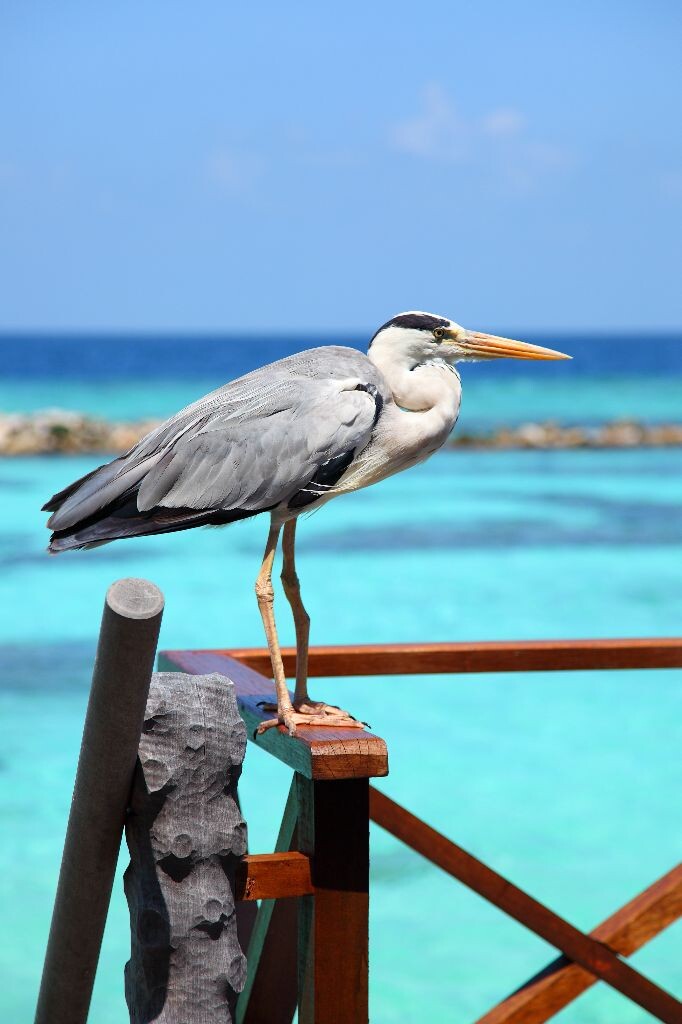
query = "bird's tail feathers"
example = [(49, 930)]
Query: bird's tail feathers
[(106, 487), (118, 523)]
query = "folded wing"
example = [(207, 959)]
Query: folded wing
[(271, 438)]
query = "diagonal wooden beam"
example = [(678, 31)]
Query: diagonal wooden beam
[(270, 993), (589, 952), (626, 931)]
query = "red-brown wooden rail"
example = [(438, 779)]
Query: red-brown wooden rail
[(464, 658), (328, 877)]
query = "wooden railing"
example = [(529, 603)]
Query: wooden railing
[(312, 951)]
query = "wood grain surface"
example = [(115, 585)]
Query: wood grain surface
[(333, 830), (317, 753), (271, 876), (478, 656)]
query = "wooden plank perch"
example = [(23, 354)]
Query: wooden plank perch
[(186, 836), (120, 683), (317, 753)]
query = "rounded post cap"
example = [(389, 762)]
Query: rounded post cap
[(135, 598)]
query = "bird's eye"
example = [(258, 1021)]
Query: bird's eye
[(438, 333)]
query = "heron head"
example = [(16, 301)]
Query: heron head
[(425, 337)]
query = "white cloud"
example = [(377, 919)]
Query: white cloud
[(498, 141), (437, 132), (233, 172), (503, 123)]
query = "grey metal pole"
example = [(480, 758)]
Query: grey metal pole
[(113, 724)]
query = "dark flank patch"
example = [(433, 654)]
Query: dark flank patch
[(414, 322), (328, 474), (373, 390)]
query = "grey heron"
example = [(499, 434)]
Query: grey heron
[(285, 439)]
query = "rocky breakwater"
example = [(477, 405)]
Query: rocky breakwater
[(614, 434), (60, 431)]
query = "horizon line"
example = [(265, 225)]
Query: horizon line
[(244, 333)]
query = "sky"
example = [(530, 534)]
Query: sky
[(217, 166)]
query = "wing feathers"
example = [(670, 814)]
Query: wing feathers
[(246, 448)]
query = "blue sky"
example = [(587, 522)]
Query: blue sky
[(216, 166)]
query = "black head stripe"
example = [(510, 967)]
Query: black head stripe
[(414, 322)]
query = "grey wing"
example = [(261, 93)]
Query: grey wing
[(259, 455), (255, 444)]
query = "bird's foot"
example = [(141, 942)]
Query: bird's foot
[(309, 712)]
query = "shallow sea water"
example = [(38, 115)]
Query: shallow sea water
[(565, 783)]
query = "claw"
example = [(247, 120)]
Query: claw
[(291, 719)]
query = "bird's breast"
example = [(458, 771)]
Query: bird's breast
[(401, 439)]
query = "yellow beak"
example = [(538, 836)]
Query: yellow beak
[(489, 346)]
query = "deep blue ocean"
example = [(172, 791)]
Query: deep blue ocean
[(568, 784), (630, 375)]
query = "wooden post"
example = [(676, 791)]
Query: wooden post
[(269, 994), (332, 768), (120, 683), (186, 834), (333, 829)]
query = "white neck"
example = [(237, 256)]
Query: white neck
[(426, 397), (419, 387)]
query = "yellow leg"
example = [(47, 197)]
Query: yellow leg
[(307, 710), (292, 588), (303, 711), (265, 595)]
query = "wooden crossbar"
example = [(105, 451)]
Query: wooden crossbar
[(626, 931), (586, 950), (506, 656), (272, 876)]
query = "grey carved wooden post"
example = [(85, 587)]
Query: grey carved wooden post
[(185, 833)]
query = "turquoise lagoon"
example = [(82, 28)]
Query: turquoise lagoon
[(568, 784)]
